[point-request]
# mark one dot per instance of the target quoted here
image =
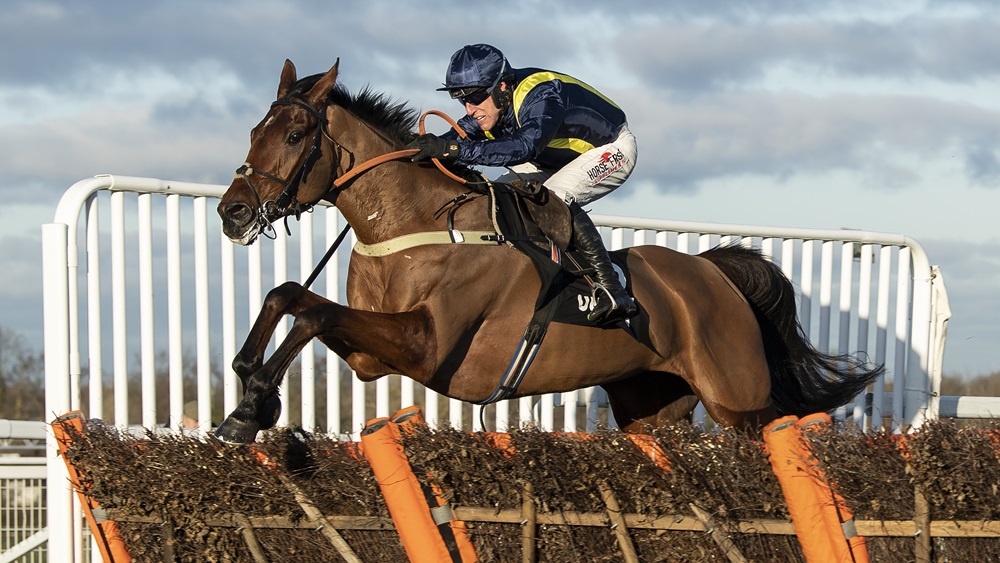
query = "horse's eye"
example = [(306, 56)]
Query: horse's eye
[(295, 137)]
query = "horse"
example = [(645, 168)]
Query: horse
[(720, 327)]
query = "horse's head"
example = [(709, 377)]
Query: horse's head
[(287, 170)]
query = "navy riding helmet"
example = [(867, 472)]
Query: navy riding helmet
[(475, 67)]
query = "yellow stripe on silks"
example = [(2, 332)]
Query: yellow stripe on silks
[(533, 80), (578, 145), (404, 242), (528, 83)]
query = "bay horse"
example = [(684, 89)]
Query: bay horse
[(720, 326)]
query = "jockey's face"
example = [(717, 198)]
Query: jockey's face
[(487, 113)]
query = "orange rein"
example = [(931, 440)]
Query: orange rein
[(373, 162), (454, 126)]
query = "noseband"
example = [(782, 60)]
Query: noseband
[(287, 203)]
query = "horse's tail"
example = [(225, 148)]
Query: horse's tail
[(803, 379)]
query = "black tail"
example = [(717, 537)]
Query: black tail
[(803, 379)]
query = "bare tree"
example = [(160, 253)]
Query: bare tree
[(22, 387), (987, 385)]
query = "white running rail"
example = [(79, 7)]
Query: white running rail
[(167, 307)]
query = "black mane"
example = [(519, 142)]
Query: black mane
[(393, 119)]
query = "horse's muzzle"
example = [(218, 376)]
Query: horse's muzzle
[(239, 222)]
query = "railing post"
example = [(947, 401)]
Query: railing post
[(919, 402), (55, 288)]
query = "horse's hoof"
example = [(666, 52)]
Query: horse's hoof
[(269, 411), (235, 431)]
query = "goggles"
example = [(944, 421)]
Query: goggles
[(474, 96)]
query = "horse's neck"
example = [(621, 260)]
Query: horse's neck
[(392, 199)]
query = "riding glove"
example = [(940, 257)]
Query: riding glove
[(432, 146)]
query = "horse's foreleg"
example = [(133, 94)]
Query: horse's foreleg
[(287, 298), (260, 406), (401, 340)]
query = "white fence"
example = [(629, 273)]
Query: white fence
[(23, 529), (170, 303)]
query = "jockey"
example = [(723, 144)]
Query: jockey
[(547, 128)]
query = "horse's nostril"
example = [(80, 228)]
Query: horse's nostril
[(236, 215), (238, 210)]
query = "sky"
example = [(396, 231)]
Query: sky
[(880, 116)]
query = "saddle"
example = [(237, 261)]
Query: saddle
[(566, 287), (565, 295)]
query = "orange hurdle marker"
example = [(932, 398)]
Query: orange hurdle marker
[(425, 528), (848, 546), (652, 449), (109, 540), (782, 437), (408, 419), (822, 522)]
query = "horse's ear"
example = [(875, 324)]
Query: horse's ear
[(317, 94), (287, 79)]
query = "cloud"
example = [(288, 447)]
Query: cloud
[(20, 291), (702, 99), (783, 134), (130, 141), (983, 165), (700, 56), (971, 274), (892, 101)]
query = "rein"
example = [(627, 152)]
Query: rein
[(287, 203), (373, 162), (459, 130), (367, 165)]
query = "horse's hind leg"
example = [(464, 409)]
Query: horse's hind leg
[(650, 400), (730, 374)]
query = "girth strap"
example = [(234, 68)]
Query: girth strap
[(420, 239), (525, 353)]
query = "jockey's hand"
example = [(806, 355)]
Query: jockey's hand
[(432, 146)]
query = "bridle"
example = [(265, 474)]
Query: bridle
[(286, 203)]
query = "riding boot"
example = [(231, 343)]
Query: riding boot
[(611, 301)]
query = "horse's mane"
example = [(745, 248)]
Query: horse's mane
[(394, 119)]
